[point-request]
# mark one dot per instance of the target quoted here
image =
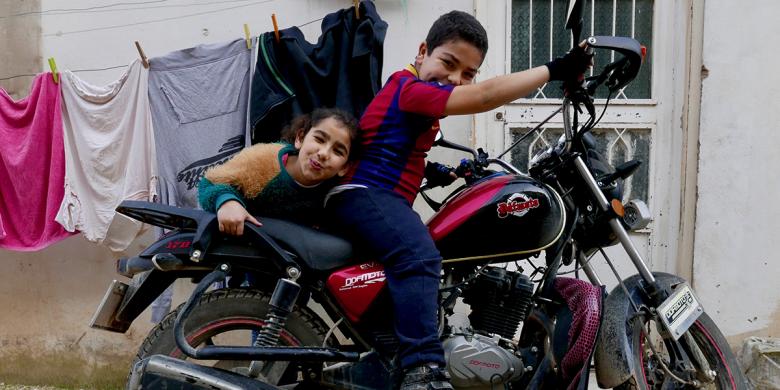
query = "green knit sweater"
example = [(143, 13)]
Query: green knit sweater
[(257, 179)]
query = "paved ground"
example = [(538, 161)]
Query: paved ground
[(4, 386)]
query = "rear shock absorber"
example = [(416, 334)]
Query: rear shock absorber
[(282, 301)]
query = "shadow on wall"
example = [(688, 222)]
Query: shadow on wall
[(20, 36)]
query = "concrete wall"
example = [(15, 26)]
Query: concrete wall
[(48, 297), (20, 41), (736, 268)]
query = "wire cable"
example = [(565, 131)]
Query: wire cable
[(195, 4), (76, 9), (61, 33), (122, 66)]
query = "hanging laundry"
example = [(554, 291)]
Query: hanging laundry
[(109, 155), (293, 76), (32, 167), (199, 98)]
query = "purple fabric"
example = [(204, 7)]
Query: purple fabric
[(584, 300), (32, 167)]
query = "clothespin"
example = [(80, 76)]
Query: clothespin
[(357, 8), (54, 74), (144, 60), (276, 27), (248, 38)]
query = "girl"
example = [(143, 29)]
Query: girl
[(284, 180)]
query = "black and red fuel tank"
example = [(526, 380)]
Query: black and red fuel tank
[(503, 216)]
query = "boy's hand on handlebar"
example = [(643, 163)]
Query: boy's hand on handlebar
[(439, 174), (572, 65), (231, 216)]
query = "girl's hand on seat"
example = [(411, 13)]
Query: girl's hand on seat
[(231, 216)]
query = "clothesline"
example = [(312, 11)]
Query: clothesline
[(122, 66), (61, 33), (105, 8)]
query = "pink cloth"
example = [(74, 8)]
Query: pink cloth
[(584, 301), (32, 167)]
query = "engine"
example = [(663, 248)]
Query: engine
[(477, 361), (499, 301)]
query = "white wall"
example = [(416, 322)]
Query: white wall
[(48, 297), (736, 265)]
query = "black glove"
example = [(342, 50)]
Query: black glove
[(438, 174), (571, 66)]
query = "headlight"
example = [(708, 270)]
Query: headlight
[(637, 215)]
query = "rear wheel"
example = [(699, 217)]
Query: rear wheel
[(700, 359), (230, 317)]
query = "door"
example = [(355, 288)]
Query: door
[(642, 122)]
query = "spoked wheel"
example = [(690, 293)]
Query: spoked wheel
[(700, 359), (230, 317)]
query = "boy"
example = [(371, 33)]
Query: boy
[(373, 203)]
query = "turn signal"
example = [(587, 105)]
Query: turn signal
[(617, 207)]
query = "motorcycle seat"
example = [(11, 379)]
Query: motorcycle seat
[(319, 251)]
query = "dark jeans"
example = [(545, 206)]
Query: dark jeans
[(383, 225)]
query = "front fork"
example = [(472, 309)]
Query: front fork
[(617, 228), (654, 292)]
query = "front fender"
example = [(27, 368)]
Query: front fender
[(613, 357)]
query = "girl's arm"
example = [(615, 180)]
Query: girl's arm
[(229, 205)]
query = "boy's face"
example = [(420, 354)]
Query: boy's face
[(454, 62)]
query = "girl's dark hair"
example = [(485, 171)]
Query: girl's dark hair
[(457, 25), (301, 125)]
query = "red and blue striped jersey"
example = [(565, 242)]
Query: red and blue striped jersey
[(398, 129)]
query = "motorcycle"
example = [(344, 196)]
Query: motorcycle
[(298, 309)]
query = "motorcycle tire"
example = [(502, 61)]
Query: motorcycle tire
[(228, 317), (650, 374)]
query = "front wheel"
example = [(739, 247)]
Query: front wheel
[(231, 317), (700, 359)]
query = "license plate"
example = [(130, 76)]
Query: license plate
[(680, 310)]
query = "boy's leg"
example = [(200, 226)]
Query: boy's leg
[(385, 226)]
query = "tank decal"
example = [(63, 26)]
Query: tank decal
[(447, 220), (523, 252), (355, 287)]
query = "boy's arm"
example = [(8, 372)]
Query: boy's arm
[(489, 94)]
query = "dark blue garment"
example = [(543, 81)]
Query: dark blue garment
[(293, 76), (383, 225)]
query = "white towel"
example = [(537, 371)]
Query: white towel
[(109, 155)]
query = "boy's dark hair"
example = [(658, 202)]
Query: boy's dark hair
[(456, 25), (301, 125)]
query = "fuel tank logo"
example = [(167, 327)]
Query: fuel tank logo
[(363, 280), (517, 205)]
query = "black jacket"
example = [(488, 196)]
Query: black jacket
[(293, 77)]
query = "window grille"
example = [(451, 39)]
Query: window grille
[(618, 145), (538, 35)]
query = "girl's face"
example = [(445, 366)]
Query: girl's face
[(322, 152)]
